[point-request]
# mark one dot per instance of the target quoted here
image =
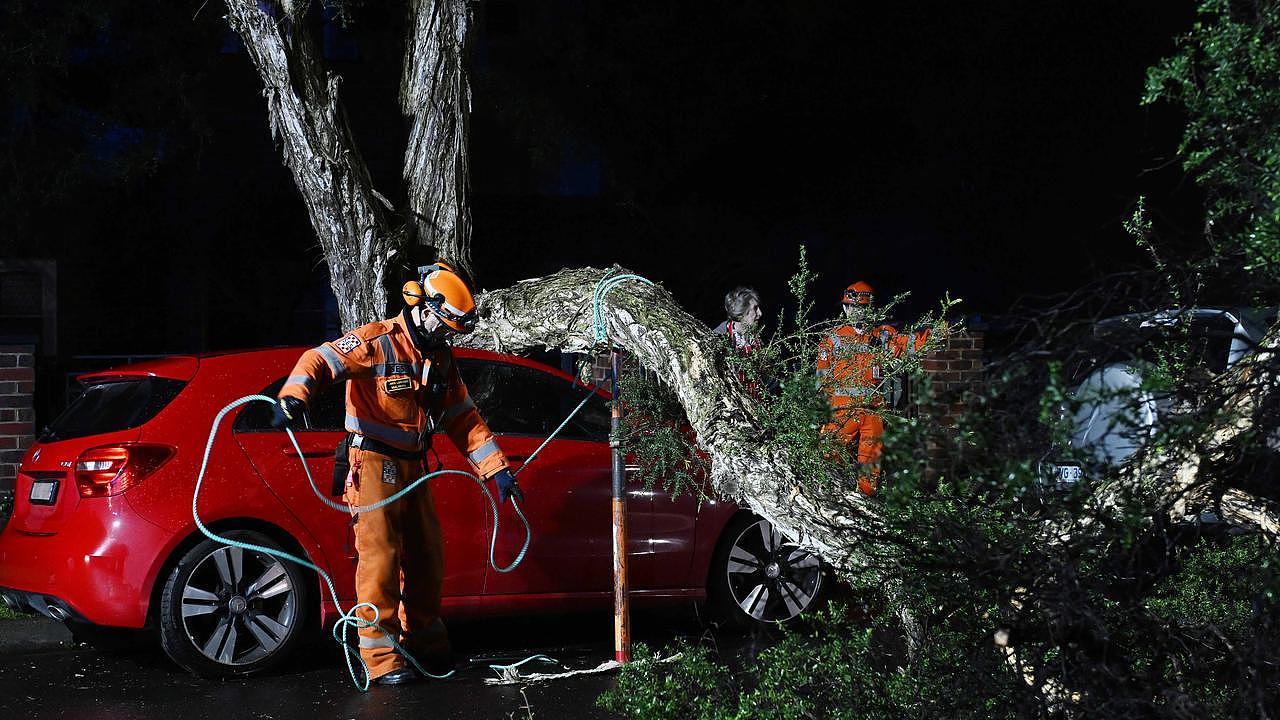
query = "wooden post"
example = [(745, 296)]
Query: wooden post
[(621, 603)]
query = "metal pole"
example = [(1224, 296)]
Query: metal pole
[(621, 604)]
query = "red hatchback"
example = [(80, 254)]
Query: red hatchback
[(102, 530)]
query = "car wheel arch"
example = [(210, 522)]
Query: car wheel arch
[(195, 537), (723, 539)]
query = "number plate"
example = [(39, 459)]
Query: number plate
[(1068, 474), (44, 492)]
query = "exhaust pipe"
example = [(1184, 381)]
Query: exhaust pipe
[(57, 613), (8, 602)]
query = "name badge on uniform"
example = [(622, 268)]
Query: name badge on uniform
[(397, 384), (390, 472)]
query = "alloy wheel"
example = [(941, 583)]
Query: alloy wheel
[(238, 606), (771, 580)]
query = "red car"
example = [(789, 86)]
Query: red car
[(102, 530)]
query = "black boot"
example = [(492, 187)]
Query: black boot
[(403, 676)]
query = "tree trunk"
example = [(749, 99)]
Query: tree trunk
[(352, 221), (436, 98)]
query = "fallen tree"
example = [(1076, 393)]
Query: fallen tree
[(557, 312)]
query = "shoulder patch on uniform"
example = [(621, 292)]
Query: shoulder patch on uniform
[(348, 342)]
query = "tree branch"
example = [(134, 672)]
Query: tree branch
[(309, 123), (557, 312)]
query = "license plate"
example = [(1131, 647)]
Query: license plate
[(43, 492), (1067, 474)]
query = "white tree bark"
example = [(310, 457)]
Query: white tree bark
[(557, 312), (308, 122), (436, 98)]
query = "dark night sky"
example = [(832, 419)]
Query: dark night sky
[(988, 149)]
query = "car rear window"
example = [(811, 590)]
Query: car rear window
[(110, 406)]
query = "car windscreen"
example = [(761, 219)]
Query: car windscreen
[(110, 406)]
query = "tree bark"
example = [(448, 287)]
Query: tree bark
[(557, 312), (436, 99), (309, 123)]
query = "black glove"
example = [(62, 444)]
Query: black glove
[(507, 486), (287, 410)]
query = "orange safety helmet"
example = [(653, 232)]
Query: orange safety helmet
[(858, 293), (440, 288)]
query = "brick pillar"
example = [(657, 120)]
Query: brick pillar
[(954, 372), (17, 416)]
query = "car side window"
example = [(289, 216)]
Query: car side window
[(518, 400), (326, 414)]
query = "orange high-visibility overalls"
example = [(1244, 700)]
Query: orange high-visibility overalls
[(850, 373), (396, 396)]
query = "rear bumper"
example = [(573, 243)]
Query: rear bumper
[(47, 605), (95, 570)]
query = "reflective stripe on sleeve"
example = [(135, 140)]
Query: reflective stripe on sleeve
[(458, 408), (853, 392), (333, 360), (385, 433), (303, 380), (483, 452)]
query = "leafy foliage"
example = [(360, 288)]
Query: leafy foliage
[(838, 667), (988, 590), (1226, 77), (791, 407)]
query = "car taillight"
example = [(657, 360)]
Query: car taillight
[(112, 469)]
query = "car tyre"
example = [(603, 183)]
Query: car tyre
[(226, 611), (757, 577)]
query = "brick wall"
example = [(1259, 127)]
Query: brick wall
[(954, 372), (17, 418)]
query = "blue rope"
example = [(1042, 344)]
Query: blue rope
[(348, 618), (603, 288)]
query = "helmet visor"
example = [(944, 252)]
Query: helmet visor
[(458, 322), (855, 297)]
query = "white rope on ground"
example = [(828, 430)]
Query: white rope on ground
[(510, 675)]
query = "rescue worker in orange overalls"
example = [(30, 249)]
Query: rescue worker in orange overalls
[(402, 383), (850, 372)]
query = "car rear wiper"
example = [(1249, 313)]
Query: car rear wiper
[(47, 435)]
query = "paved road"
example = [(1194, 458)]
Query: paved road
[(45, 675)]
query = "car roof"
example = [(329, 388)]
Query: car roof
[(184, 367)]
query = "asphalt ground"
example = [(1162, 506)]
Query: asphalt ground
[(45, 674)]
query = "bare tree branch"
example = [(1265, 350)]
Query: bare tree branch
[(308, 121)]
